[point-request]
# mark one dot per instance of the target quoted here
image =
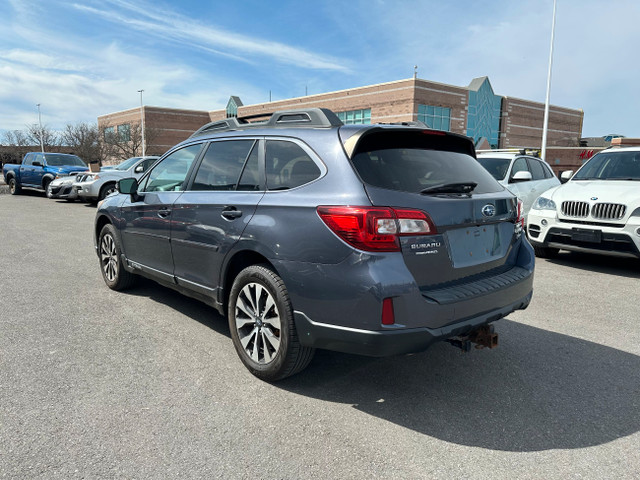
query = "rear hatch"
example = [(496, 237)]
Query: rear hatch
[(474, 217)]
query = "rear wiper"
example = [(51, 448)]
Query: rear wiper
[(461, 187)]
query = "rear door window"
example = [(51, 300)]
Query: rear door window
[(288, 165), (222, 165)]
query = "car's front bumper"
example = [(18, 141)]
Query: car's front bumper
[(87, 190), (544, 229)]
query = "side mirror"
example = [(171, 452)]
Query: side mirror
[(521, 176), (139, 169), (566, 176), (37, 164), (129, 186)]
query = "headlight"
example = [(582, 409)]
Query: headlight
[(543, 203)]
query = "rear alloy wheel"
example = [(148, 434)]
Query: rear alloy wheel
[(106, 190), (262, 326), (14, 188), (111, 266), (546, 252)]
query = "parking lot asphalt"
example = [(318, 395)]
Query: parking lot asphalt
[(146, 384)]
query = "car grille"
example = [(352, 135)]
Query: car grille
[(608, 211), (575, 209), (600, 211)]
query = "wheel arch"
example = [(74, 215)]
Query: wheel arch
[(238, 262), (101, 221), (46, 179)]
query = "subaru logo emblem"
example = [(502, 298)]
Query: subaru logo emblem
[(594, 198), (488, 210)]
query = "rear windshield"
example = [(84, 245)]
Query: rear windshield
[(497, 167), (409, 163)]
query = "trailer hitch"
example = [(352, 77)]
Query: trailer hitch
[(482, 337)]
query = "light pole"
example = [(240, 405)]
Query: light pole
[(41, 131), (545, 125), (142, 123)]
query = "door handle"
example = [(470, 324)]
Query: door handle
[(164, 212), (231, 212)]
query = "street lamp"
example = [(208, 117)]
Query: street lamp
[(142, 123), (545, 124), (41, 131)]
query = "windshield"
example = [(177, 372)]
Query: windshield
[(127, 164), (611, 165), (59, 160), (497, 167)]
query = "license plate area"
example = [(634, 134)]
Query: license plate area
[(479, 244), (586, 235)]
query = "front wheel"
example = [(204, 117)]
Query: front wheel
[(111, 266), (48, 190), (106, 190), (262, 326), (14, 188)]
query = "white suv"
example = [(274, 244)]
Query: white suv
[(596, 211), (525, 176)]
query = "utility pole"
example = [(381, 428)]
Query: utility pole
[(142, 123), (41, 130), (545, 125)]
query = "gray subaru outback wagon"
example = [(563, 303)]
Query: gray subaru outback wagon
[(307, 233)]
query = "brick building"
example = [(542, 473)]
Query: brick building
[(490, 119)]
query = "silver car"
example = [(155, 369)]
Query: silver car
[(525, 176), (93, 187)]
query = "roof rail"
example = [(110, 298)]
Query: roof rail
[(309, 117), (532, 152), (413, 123)]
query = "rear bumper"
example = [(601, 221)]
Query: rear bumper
[(392, 342)]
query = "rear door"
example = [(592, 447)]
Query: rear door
[(474, 232), (209, 218)]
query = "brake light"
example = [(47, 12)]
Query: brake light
[(375, 229), (434, 132)]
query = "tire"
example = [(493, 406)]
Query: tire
[(262, 326), (47, 190), (45, 186), (106, 189), (14, 188), (111, 266), (546, 252)]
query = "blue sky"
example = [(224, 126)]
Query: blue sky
[(86, 58)]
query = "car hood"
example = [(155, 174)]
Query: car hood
[(606, 191), (67, 169)]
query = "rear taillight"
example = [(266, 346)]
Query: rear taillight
[(520, 220), (375, 229)]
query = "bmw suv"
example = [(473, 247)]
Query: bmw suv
[(307, 233)]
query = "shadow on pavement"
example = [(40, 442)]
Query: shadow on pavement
[(539, 390), (622, 267)]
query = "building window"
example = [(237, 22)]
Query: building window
[(438, 118), (124, 132), (232, 106), (109, 133), (355, 117)]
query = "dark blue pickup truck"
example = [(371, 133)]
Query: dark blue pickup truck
[(38, 169)]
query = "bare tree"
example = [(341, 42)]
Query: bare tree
[(50, 137), (122, 143), (18, 144), (84, 139)]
